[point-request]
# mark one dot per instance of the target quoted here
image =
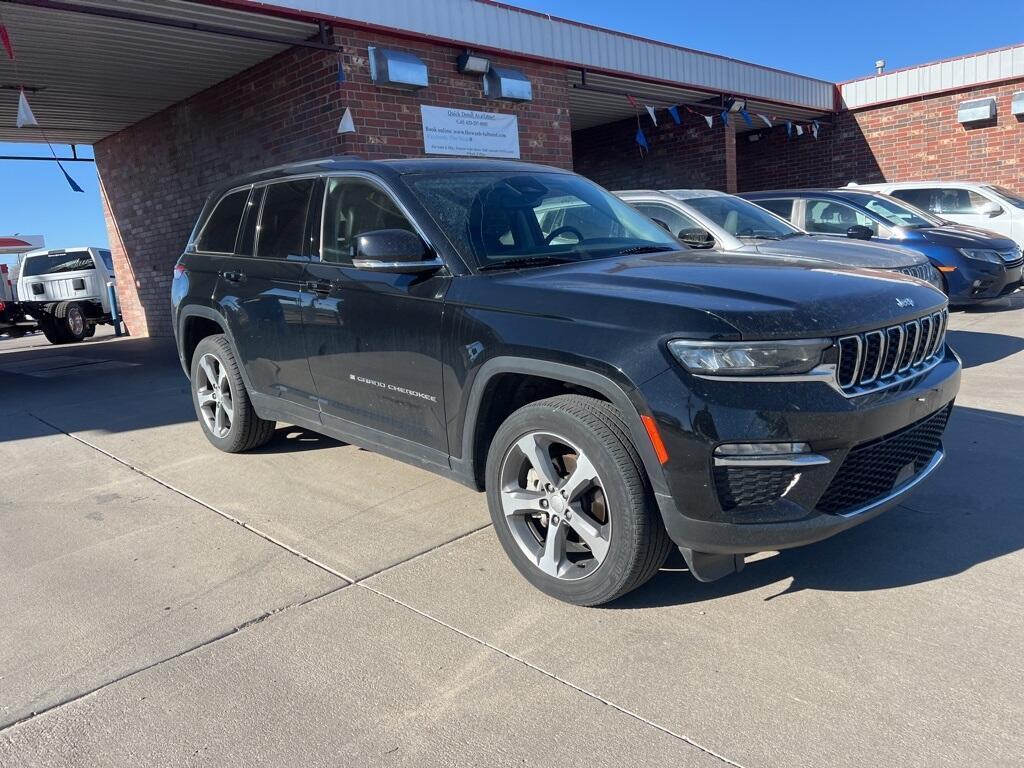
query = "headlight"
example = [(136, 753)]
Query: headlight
[(981, 254), (744, 358)]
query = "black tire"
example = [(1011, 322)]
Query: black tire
[(247, 430), (71, 321), (52, 331), (637, 544)]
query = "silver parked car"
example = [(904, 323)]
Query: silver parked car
[(704, 218)]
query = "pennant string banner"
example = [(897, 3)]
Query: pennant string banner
[(5, 38)]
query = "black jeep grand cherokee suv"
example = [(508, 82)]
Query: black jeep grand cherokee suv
[(613, 392)]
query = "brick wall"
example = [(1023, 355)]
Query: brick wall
[(687, 156), (905, 141), (156, 174)]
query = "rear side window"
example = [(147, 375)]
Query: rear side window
[(942, 199), (218, 236), (283, 221), (783, 208), (108, 261)]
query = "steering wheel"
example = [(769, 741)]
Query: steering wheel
[(562, 230)]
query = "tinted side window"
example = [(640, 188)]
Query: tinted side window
[(218, 236), (919, 198), (675, 220), (108, 261), (783, 208), (947, 200), (283, 220), (834, 218), (353, 207)]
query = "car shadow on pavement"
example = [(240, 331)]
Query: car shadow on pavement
[(970, 512), (292, 439), (978, 348)]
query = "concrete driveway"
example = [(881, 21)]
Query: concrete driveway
[(316, 604)]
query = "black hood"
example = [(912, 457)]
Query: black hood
[(711, 294), (844, 252), (961, 236)]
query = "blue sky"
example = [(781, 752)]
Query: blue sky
[(832, 41)]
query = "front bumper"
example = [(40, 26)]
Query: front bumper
[(977, 281), (700, 517)]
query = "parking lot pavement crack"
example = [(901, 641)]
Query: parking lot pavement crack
[(265, 536), (551, 675), (255, 620)]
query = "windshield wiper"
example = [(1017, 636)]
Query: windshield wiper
[(525, 261), (645, 249)]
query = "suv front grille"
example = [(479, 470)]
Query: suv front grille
[(887, 356), (925, 272), (872, 470)]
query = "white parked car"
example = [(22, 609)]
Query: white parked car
[(65, 291), (985, 206)]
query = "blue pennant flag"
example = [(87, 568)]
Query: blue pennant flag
[(71, 182), (341, 70), (725, 117), (641, 139), (789, 129), (746, 118), (675, 115)]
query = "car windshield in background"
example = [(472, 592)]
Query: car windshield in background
[(894, 212), (1017, 201), (53, 263), (741, 218), (505, 220)]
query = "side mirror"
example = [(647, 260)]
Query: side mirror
[(696, 237), (990, 208), (860, 232), (394, 250)]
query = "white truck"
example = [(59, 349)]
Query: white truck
[(65, 292)]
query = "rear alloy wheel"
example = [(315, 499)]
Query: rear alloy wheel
[(70, 321), (221, 401), (570, 501)]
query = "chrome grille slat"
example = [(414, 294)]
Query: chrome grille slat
[(886, 356)]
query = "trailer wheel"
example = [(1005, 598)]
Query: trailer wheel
[(71, 321)]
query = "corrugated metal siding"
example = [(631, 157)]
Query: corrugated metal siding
[(99, 75), (483, 24), (983, 67)]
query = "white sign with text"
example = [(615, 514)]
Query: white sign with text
[(467, 133)]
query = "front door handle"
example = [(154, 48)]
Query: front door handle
[(233, 276), (319, 287)]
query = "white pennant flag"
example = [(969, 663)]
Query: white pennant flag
[(799, 129), (347, 125), (710, 120), (814, 128), (766, 120), (25, 116), (650, 111)]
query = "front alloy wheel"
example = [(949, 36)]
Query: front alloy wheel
[(570, 502), (555, 505)]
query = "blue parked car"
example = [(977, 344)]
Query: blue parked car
[(976, 265)]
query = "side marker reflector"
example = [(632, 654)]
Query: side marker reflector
[(947, 269), (652, 433)]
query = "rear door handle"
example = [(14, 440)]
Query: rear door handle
[(233, 276)]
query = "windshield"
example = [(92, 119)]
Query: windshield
[(742, 218), (513, 219), (1017, 201), (895, 212), (52, 263)]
